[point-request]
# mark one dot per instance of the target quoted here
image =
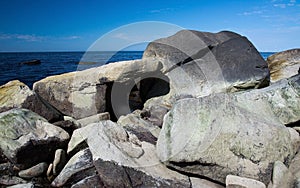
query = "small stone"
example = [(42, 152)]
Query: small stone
[(50, 172), (77, 167), (59, 162), (282, 177), (236, 181), (34, 171)]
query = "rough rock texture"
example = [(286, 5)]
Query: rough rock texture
[(284, 64), (77, 168), (34, 171), (25, 185), (27, 138), (16, 94), (83, 93), (127, 162), (91, 181), (236, 134), (282, 177), (294, 168), (236, 181), (92, 119), (200, 63)]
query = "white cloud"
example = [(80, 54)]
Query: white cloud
[(280, 5), (33, 37), (251, 13), (161, 10)]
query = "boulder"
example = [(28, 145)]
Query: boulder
[(27, 138), (284, 64), (240, 134), (127, 161), (78, 167), (236, 181), (85, 93), (16, 94), (35, 171), (201, 63), (32, 62)]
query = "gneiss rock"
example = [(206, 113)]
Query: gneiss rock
[(284, 64), (78, 167), (16, 94), (234, 134), (200, 63), (35, 171), (82, 94), (122, 160), (24, 185), (202, 183), (27, 138)]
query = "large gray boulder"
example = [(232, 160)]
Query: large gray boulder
[(122, 160), (16, 94), (284, 64), (27, 138), (85, 93), (240, 134), (201, 63)]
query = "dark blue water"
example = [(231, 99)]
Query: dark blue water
[(53, 63)]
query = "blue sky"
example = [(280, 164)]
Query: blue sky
[(74, 25)]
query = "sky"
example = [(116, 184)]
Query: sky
[(79, 25)]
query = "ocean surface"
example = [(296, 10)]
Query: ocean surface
[(53, 63)]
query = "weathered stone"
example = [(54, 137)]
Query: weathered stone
[(127, 162), (82, 94), (144, 130), (282, 177), (91, 181), (200, 63), (34, 171), (225, 134), (49, 172), (202, 183), (284, 64), (16, 94), (77, 168), (236, 181), (93, 119), (27, 138), (10, 180), (60, 159)]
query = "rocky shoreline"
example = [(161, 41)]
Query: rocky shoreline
[(198, 110)]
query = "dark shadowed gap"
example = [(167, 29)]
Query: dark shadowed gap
[(133, 94)]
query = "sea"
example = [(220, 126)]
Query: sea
[(53, 63)]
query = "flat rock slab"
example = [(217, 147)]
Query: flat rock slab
[(27, 138)]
